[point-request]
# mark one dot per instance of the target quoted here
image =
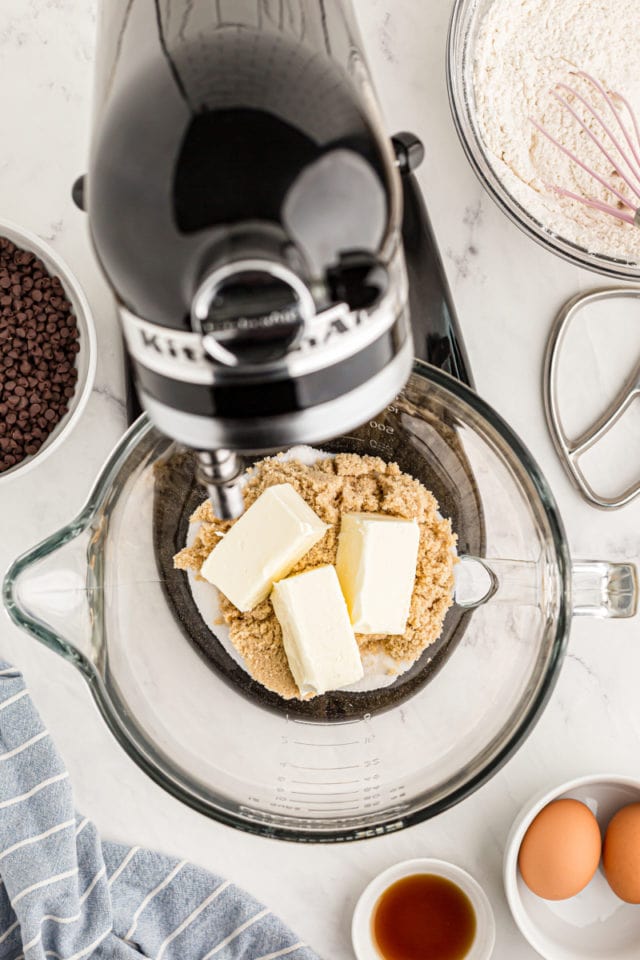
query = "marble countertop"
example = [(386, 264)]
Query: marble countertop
[(506, 289)]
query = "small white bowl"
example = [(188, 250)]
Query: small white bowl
[(595, 924), (85, 358), (361, 930)]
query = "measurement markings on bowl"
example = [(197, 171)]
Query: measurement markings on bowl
[(327, 783), (348, 782)]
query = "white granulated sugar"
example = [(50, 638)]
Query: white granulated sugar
[(523, 49)]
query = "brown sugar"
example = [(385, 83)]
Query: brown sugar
[(347, 483)]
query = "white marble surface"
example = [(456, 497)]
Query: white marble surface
[(506, 290)]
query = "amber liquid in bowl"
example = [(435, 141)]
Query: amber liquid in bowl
[(423, 917)]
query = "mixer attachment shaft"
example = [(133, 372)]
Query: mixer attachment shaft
[(220, 471)]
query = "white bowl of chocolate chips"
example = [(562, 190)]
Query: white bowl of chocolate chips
[(47, 350)]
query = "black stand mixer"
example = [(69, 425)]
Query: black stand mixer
[(266, 242), (275, 273)]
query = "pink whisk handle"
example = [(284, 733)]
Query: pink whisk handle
[(632, 218)]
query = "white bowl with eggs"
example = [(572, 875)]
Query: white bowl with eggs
[(595, 923)]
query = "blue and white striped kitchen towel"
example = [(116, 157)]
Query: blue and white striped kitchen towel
[(65, 894)]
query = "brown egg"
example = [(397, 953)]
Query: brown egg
[(621, 853), (560, 851)]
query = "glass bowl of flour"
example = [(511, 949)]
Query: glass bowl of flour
[(504, 59)]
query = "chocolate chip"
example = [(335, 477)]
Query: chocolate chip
[(38, 346)]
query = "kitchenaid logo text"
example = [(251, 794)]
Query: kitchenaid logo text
[(187, 347), (169, 347), (181, 354), (338, 324)]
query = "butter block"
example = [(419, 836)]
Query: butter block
[(376, 566), (263, 546), (318, 638)]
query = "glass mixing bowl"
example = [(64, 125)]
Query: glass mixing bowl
[(466, 19), (103, 594)]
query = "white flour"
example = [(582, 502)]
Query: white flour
[(525, 47)]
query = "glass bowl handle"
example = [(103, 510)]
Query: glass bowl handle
[(602, 589), (599, 588)]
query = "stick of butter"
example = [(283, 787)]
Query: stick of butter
[(376, 565), (318, 639), (263, 546)]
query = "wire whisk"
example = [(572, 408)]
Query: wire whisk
[(620, 145)]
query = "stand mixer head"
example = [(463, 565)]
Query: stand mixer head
[(245, 205)]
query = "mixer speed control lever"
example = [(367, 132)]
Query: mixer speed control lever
[(359, 280)]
